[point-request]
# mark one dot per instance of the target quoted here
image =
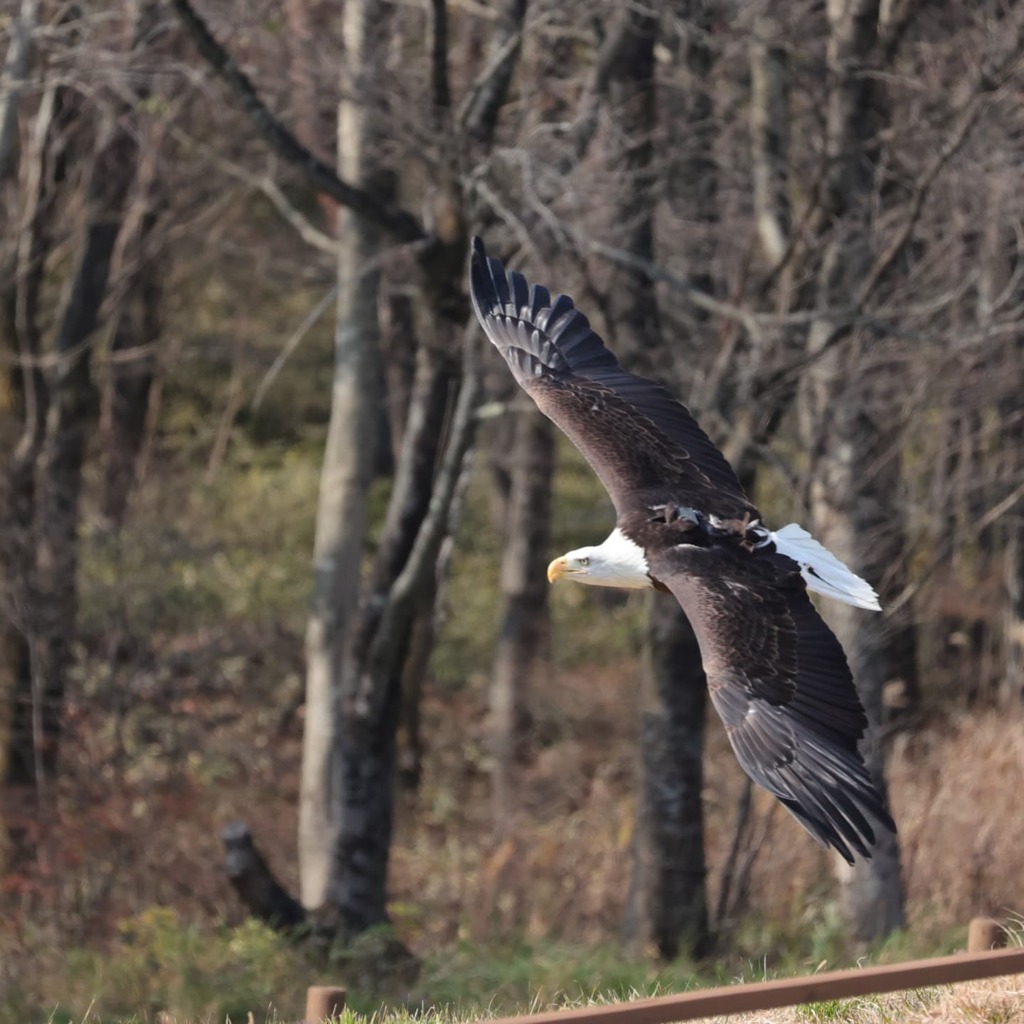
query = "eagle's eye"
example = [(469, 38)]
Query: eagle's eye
[(584, 562)]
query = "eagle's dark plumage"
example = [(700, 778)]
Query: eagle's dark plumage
[(777, 675)]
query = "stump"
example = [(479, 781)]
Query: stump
[(254, 882)]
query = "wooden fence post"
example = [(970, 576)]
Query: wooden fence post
[(983, 934), (324, 1002)]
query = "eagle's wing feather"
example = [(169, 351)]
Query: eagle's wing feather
[(637, 437), (778, 678)]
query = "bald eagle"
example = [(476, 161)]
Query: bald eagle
[(776, 673)]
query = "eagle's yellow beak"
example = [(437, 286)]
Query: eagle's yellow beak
[(557, 569)]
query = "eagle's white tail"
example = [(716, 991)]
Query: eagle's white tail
[(824, 573)]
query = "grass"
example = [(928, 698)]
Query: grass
[(165, 972)]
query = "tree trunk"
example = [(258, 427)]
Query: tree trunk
[(347, 472), (1012, 691), (371, 693), (73, 409), (769, 136), (852, 509), (999, 288), (45, 171), (17, 62), (670, 868), (669, 891), (373, 672), (133, 364), (854, 475), (399, 345), (523, 635), (351, 765)]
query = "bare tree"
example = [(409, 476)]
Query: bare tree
[(17, 65), (74, 406), (133, 349), (29, 215), (669, 885), (359, 636), (844, 428), (44, 474), (348, 464), (521, 648), (999, 287)]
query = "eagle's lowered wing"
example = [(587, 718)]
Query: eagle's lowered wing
[(780, 682)]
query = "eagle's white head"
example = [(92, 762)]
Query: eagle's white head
[(618, 562)]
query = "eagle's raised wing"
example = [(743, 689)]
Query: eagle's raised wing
[(643, 444), (778, 678)]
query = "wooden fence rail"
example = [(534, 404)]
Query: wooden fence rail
[(982, 960), (770, 995)]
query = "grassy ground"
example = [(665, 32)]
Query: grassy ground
[(261, 980)]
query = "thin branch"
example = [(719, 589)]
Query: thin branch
[(432, 529), (941, 556), (609, 56), (397, 222), (730, 878), (757, 321), (754, 322), (290, 346), (988, 81), (478, 112), (519, 229), (303, 227), (965, 122), (400, 604)]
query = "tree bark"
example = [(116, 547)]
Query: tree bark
[(852, 511), (999, 285), (769, 136), (854, 477), (133, 362), (1013, 615), (670, 865), (371, 694), (669, 890), (523, 634), (16, 67), (346, 475), (73, 406), (17, 532)]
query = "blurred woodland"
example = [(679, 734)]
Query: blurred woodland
[(274, 523)]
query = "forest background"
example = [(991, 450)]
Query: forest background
[(273, 523)]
